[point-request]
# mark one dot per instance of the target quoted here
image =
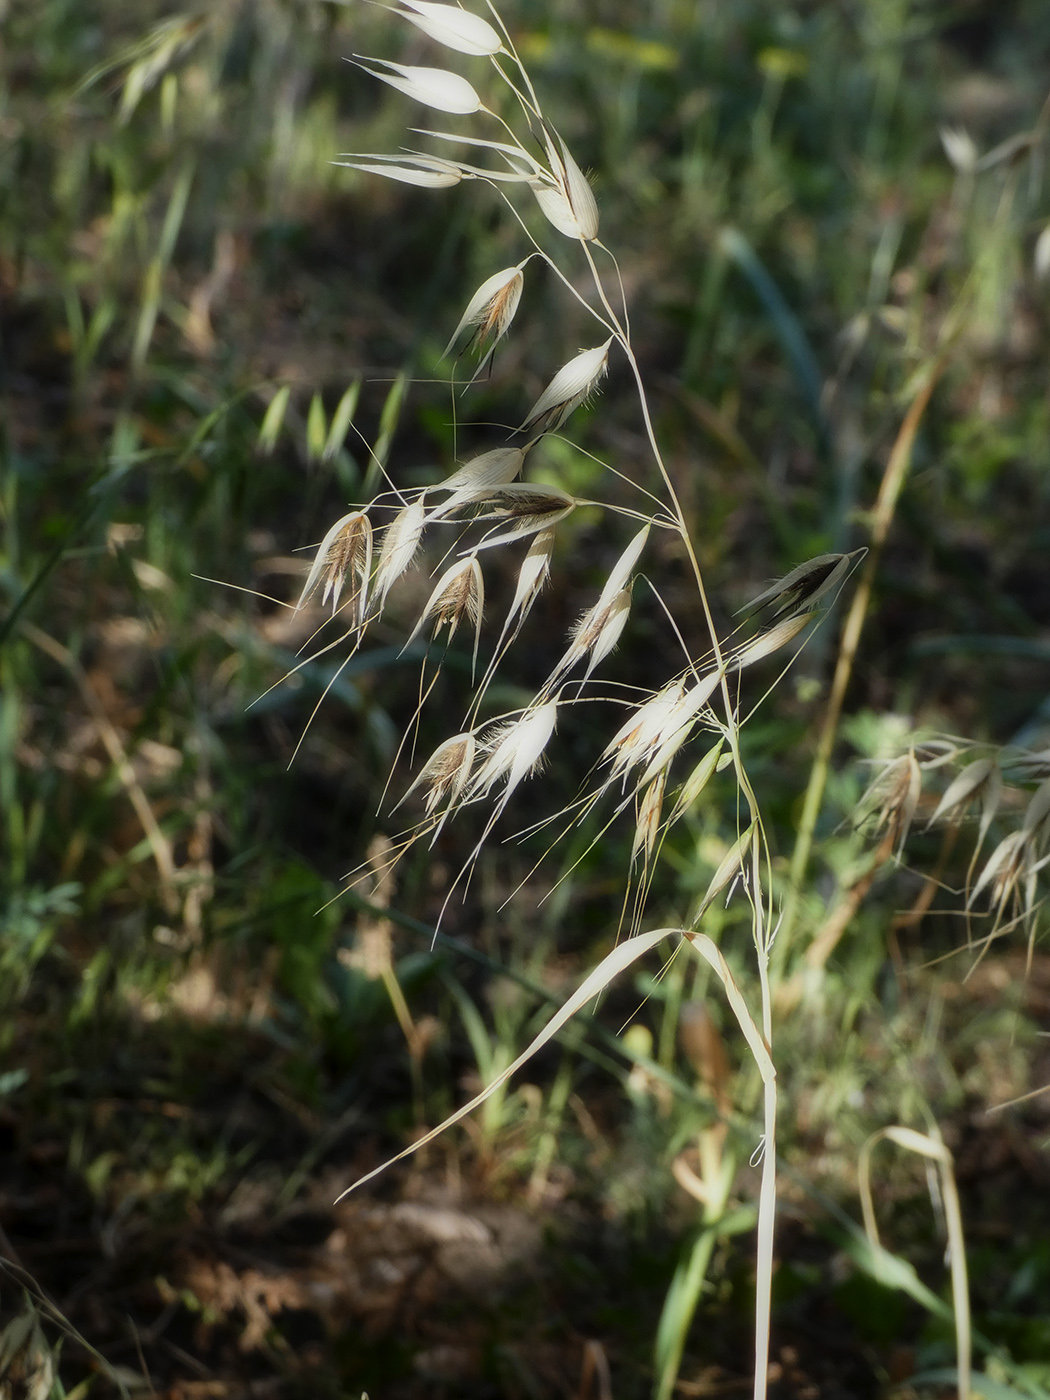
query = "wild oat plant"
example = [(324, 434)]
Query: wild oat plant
[(665, 743)]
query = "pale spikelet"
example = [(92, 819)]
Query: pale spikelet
[(345, 551), (644, 730), (623, 568), (515, 750), (434, 87), (647, 826), (697, 780), (960, 149), (766, 643), (603, 632), (446, 772), (429, 172), (727, 871), (598, 629), (803, 586), (894, 796), (567, 203), (573, 383), (681, 720), (967, 785), (400, 543), (1002, 870), (455, 28), (459, 593), (578, 194), (497, 467), (570, 205), (491, 309), (533, 574)]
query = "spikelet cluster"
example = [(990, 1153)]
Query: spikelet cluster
[(1003, 883), (488, 505)]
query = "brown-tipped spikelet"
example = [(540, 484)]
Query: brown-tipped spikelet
[(598, 629), (491, 309), (893, 797), (344, 553), (459, 593), (446, 772)]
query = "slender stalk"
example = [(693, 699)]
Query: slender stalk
[(893, 480)]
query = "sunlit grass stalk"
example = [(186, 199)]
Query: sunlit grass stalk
[(894, 476)]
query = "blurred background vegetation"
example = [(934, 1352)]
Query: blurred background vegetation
[(208, 328)]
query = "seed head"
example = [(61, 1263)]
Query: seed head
[(346, 551), (598, 629), (803, 586), (696, 782), (455, 28), (960, 149), (491, 469), (573, 383), (491, 309), (1041, 255), (644, 730), (435, 87), (446, 772), (727, 870), (775, 637), (568, 203), (647, 826), (974, 779), (894, 796), (400, 543), (459, 593), (515, 750), (528, 508), (533, 574)]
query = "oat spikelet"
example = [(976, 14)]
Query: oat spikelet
[(470, 482), (570, 387), (680, 723), (455, 28), (804, 585), (526, 508), (775, 637), (491, 309), (412, 168), (696, 782), (459, 593), (644, 730), (599, 628), (446, 772), (1002, 871), (568, 203), (434, 87), (345, 552), (647, 826), (961, 791), (894, 796), (515, 750), (400, 543), (533, 574), (727, 870)]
